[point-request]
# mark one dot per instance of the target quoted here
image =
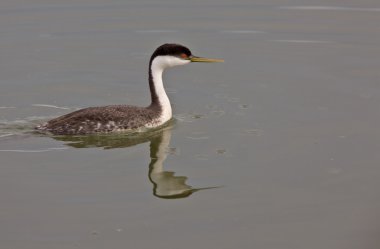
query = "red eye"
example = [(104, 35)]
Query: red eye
[(183, 56)]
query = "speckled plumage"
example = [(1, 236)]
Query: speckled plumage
[(114, 118)]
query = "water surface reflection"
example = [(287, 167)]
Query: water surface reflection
[(165, 184)]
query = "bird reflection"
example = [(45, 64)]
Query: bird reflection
[(165, 184)]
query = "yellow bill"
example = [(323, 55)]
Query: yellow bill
[(202, 59)]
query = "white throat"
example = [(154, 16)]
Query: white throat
[(159, 64)]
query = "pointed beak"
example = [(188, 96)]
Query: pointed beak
[(202, 59)]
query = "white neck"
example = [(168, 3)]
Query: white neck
[(163, 100), (158, 65)]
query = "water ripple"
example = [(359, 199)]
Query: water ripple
[(52, 106), (242, 32), (157, 31), (301, 41), (6, 135), (35, 151), (7, 107), (329, 8)]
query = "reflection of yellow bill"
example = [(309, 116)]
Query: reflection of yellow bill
[(202, 59)]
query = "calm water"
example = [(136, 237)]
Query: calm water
[(278, 147)]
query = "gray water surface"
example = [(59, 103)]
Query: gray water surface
[(278, 147)]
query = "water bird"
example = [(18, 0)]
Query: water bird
[(120, 118)]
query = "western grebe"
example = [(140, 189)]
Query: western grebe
[(118, 118)]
